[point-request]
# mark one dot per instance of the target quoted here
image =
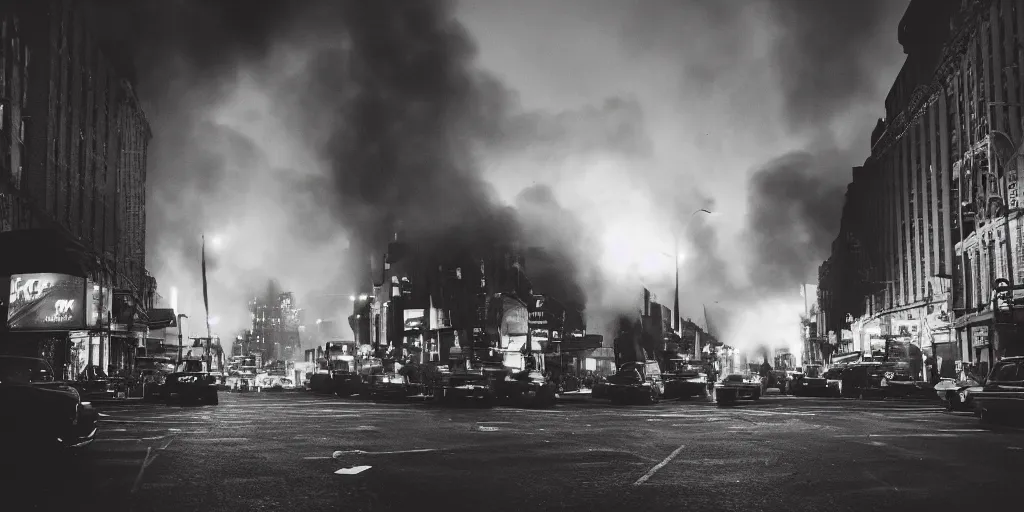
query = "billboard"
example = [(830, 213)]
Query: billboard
[(42, 302), (415, 319), (100, 304)]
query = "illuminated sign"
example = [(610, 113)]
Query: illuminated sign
[(414, 319), (46, 302)]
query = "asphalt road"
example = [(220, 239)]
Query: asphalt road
[(282, 451)]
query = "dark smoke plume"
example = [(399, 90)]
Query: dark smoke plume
[(793, 216), (821, 54), (387, 100)]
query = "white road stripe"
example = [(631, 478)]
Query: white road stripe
[(962, 430), (660, 465), (219, 440)]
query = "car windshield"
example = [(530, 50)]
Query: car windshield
[(146, 363), (813, 372), (1007, 371), (190, 365), (24, 370)]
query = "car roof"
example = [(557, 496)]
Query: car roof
[(2, 356)]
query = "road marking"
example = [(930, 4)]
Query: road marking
[(660, 465), (352, 471), (339, 453), (962, 430), (498, 422), (220, 440), (486, 429), (1014, 448)]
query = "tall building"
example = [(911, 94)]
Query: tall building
[(73, 143), (275, 328), (932, 219)]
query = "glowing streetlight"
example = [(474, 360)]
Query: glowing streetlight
[(363, 296), (352, 298)]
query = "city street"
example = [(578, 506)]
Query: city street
[(282, 452)]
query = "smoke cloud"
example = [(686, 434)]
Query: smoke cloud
[(299, 135), (793, 217)]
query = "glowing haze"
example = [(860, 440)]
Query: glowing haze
[(605, 123)]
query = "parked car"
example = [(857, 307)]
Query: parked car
[(637, 380), (94, 384), (37, 408), (735, 386), (686, 378), (834, 381), (810, 381), (1002, 393), (958, 394), (153, 372), (878, 379), (191, 383)]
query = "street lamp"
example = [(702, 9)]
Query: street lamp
[(675, 315), (180, 316)]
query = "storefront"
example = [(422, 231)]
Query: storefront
[(61, 318)]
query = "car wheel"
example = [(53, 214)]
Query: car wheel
[(951, 399), (757, 395), (212, 397)]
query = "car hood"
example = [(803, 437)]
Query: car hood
[(25, 397)]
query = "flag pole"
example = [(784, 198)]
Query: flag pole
[(206, 304)]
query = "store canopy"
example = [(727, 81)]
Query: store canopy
[(30, 251), (162, 318)]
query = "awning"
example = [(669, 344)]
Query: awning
[(162, 318), (29, 251), (588, 342)]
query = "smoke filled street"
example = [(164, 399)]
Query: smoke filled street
[(281, 451), (525, 255)]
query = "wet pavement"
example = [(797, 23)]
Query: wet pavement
[(285, 452)]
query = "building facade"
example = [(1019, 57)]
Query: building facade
[(73, 173), (275, 328), (924, 230)]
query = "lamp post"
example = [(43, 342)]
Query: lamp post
[(675, 314), (180, 316)]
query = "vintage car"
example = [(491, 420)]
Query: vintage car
[(686, 378), (238, 382), (468, 385), (528, 388), (152, 373), (273, 381), (389, 385), (872, 379), (37, 409), (94, 384), (834, 381), (735, 386), (191, 383), (633, 381), (809, 382), (1002, 394), (958, 394)]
